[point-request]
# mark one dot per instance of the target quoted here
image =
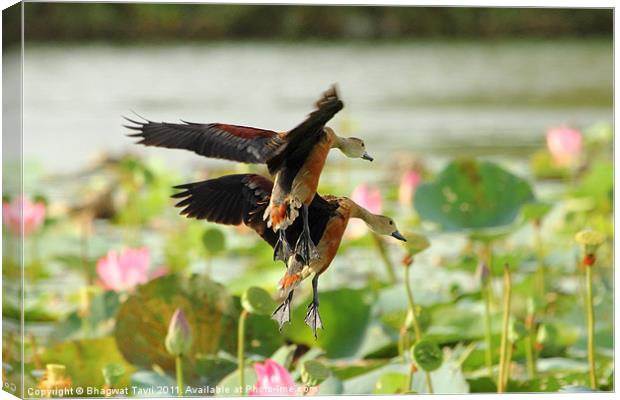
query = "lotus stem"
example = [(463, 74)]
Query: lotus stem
[(179, 371), (530, 355), (417, 330), (384, 257), (488, 353), (590, 324), (503, 350), (241, 350), (539, 284), (509, 351)]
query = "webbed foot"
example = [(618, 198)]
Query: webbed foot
[(282, 250), (306, 248), (282, 314), (313, 318)]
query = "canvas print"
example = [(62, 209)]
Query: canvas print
[(296, 200)]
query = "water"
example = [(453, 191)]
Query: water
[(432, 98)]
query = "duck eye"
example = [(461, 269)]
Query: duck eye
[(391, 222)]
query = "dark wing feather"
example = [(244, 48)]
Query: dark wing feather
[(229, 142), (301, 139), (229, 200)]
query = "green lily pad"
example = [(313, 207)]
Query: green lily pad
[(142, 320), (471, 195), (535, 210), (256, 300), (230, 385), (112, 373), (391, 383), (86, 359), (342, 311), (214, 241), (313, 372), (427, 355)]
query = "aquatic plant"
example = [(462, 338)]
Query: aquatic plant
[(22, 209), (122, 271)]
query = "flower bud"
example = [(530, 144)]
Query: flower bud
[(179, 337), (483, 273)]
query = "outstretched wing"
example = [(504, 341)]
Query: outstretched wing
[(302, 138), (229, 200), (229, 142), (243, 198)]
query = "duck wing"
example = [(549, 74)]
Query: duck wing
[(229, 200), (243, 198), (301, 139), (229, 142)]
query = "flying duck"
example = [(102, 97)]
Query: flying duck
[(295, 158), (243, 198)]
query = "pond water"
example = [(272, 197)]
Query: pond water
[(435, 98)]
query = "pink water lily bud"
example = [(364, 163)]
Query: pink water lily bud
[(33, 215), (122, 271), (408, 184), (565, 145), (370, 198), (179, 338), (272, 380)]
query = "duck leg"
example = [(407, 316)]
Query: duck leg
[(305, 247), (282, 250), (313, 318), (282, 314)]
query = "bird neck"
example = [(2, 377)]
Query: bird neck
[(357, 211)]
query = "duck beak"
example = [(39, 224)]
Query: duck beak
[(367, 156), (398, 236)]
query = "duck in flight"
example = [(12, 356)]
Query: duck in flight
[(295, 159), (243, 198)]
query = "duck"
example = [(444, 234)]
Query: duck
[(294, 158), (243, 198)]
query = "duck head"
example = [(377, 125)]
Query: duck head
[(384, 226), (351, 146)]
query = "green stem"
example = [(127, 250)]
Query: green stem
[(508, 362), (487, 330), (590, 322), (179, 368), (529, 356), (241, 350), (417, 330), (539, 285), (530, 340), (384, 257), (504, 342)]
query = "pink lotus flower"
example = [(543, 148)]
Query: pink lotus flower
[(123, 271), (408, 184), (565, 145), (272, 380), (33, 215), (370, 198)]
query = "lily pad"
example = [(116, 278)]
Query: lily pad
[(470, 195), (427, 355), (256, 300), (214, 241), (391, 383), (142, 320), (86, 359), (342, 311)]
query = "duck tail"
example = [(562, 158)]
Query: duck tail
[(293, 276)]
